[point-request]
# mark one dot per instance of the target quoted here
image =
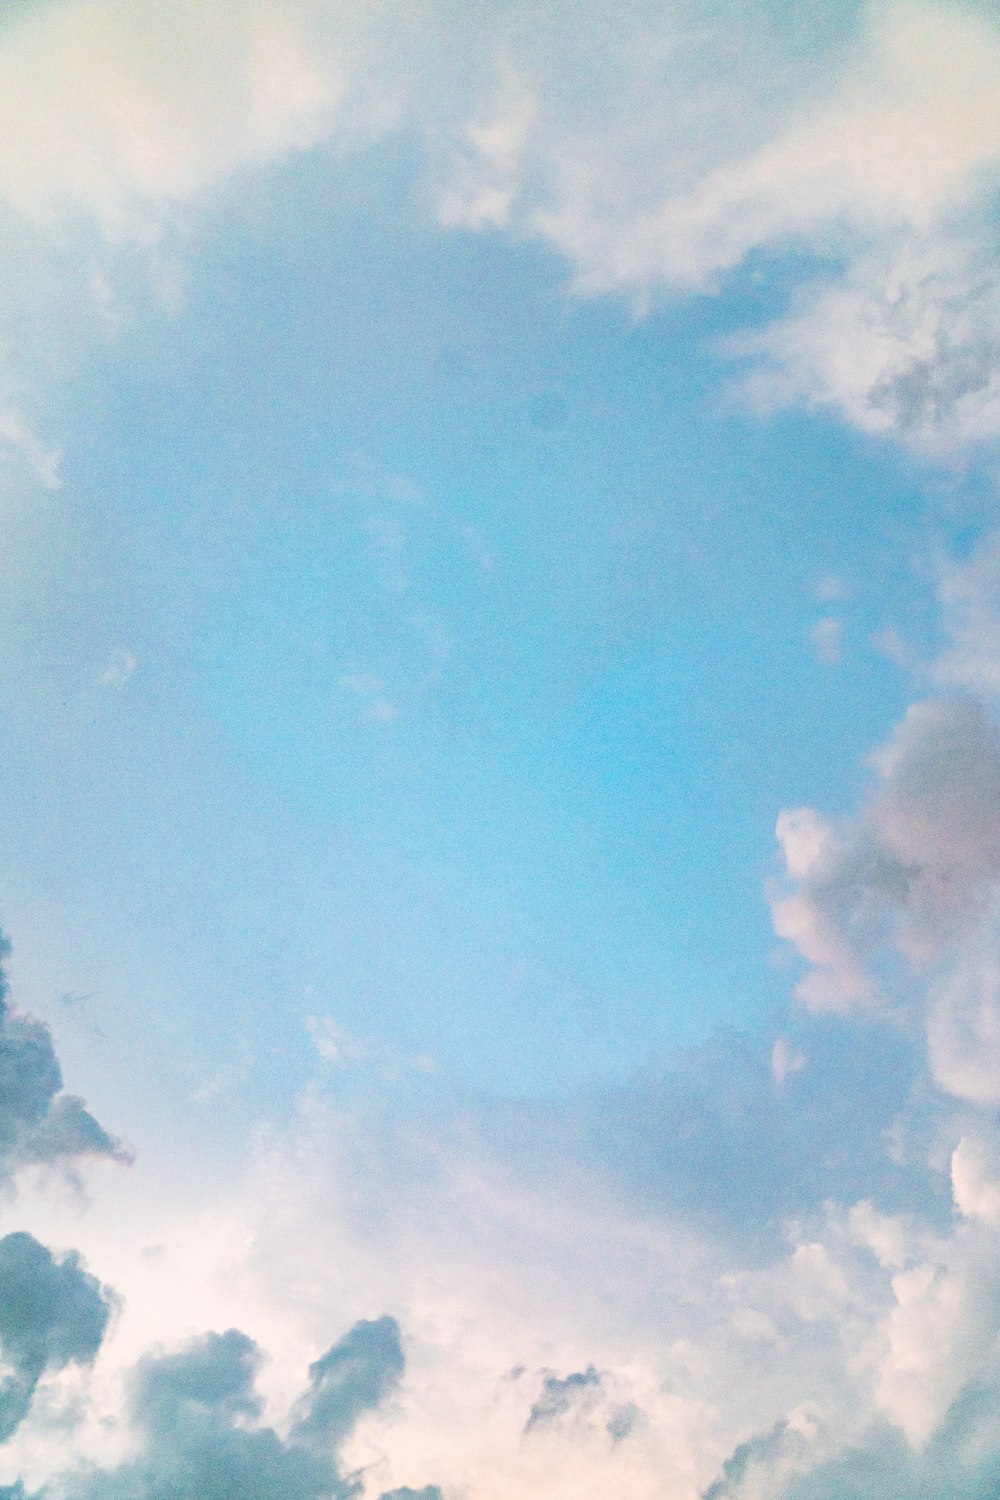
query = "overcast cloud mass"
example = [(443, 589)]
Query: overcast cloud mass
[(500, 707)]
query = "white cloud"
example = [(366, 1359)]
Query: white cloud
[(905, 344), (112, 106), (893, 126), (969, 595), (557, 1341), (872, 137), (914, 872), (24, 450), (785, 1061), (646, 165), (963, 1022), (975, 1178), (562, 1338)]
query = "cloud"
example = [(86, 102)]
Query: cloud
[(968, 594), (351, 1378), (24, 450), (963, 1020), (560, 1396), (827, 638), (867, 137), (905, 344), (197, 1412), (118, 670), (912, 872), (768, 1269), (693, 1280), (39, 1124), (145, 106), (872, 144), (427, 1492), (52, 1313)]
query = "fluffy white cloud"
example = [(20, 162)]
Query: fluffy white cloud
[(969, 596), (654, 155), (905, 343), (869, 135), (914, 871)]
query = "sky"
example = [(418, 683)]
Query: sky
[(500, 721)]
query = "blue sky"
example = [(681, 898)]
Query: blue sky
[(467, 722), (499, 664)]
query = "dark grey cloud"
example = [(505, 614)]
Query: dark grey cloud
[(52, 1313), (351, 1378), (429, 1492), (758, 1451), (961, 1461), (38, 1122), (623, 1421), (581, 1394), (197, 1413), (560, 1394)]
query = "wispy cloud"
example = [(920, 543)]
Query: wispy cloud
[(119, 669), (827, 637)]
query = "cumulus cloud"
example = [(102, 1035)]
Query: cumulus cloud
[(352, 1377), (570, 1329), (914, 870), (39, 1123), (696, 1283), (561, 1395), (197, 1412), (771, 1270), (52, 1313), (876, 148)]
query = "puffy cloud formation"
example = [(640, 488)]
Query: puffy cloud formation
[(52, 1313), (712, 1281), (969, 595), (898, 908), (196, 1412), (913, 872), (575, 1326), (39, 1124)]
